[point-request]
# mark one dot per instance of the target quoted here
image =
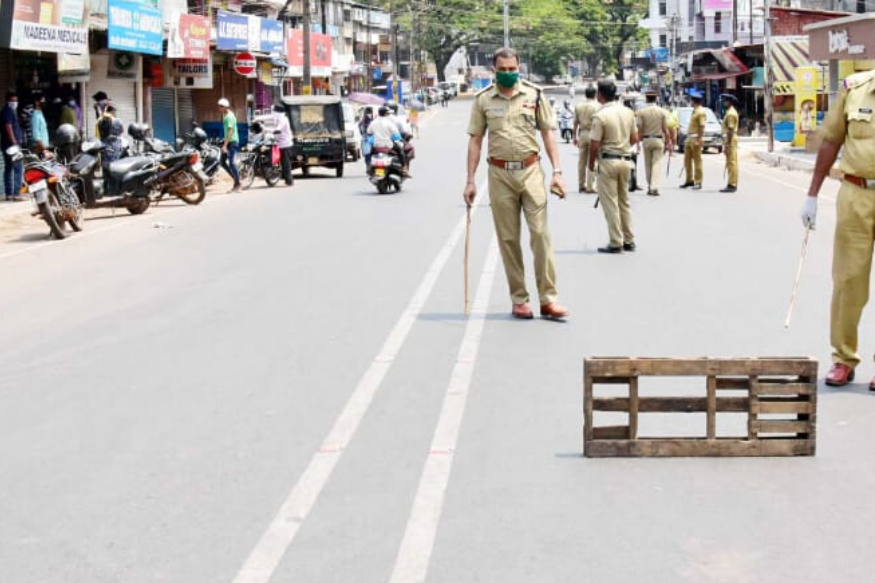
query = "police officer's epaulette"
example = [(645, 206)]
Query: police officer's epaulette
[(858, 79), (489, 87), (528, 83)]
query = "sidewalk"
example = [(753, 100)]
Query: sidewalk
[(785, 156)]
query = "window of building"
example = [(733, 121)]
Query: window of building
[(718, 22), (662, 40), (662, 11)]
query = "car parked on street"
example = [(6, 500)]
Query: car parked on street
[(713, 131)]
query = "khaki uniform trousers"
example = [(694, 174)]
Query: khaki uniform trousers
[(731, 151), (613, 185), (585, 178), (851, 269), (653, 149), (512, 191), (693, 162)]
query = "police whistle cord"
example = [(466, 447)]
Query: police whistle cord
[(467, 249), (798, 276)]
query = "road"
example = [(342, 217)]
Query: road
[(281, 386)]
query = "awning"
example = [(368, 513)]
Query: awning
[(731, 65), (786, 56)]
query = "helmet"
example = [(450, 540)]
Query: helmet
[(552, 100), (138, 131), (224, 103), (66, 134), (566, 103), (384, 110), (392, 106), (198, 137)]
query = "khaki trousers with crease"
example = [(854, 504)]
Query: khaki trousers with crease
[(613, 187), (585, 178), (512, 192), (653, 149)]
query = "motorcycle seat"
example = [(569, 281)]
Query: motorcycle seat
[(120, 168)]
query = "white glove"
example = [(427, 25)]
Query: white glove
[(809, 212)]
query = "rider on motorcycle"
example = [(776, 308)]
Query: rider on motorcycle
[(403, 146), (566, 119), (385, 132)]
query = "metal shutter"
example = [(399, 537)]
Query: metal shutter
[(121, 92), (184, 110), (164, 114)]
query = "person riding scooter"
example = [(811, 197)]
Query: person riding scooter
[(566, 120), (402, 146)]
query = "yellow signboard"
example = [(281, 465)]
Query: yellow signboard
[(307, 90), (807, 83)]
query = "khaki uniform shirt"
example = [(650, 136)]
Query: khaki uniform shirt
[(730, 122), (651, 121), (583, 114), (697, 124), (513, 122), (612, 126), (851, 120)]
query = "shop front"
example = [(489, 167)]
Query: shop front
[(847, 43)]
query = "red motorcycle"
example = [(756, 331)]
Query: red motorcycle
[(50, 191)]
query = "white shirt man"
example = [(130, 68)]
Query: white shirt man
[(383, 129)]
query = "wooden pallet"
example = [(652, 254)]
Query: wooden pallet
[(770, 386)]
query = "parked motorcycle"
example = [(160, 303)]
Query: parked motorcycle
[(51, 193), (93, 192), (210, 152), (385, 171), (180, 173), (260, 158)]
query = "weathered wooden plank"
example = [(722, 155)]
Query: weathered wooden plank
[(712, 408), (587, 408), (782, 426), (680, 447), (767, 388), (733, 383), (611, 380), (633, 408), (611, 432), (767, 406), (627, 367), (671, 404)]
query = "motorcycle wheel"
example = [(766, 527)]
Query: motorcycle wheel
[(382, 187), (76, 222), (247, 174), (198, 195), (139, 207), (47, 209), (74, 211), (272, 175)]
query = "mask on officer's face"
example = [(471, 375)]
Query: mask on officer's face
[(507, 79)]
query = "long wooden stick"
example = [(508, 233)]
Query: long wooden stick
[(798, 276), (467, 247)]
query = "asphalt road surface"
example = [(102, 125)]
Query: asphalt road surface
[(281, 386)]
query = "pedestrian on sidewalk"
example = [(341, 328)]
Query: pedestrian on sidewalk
[(614, 133), (11, 135), (39, 136), (653, 132), (513, 111), (695, 141), (582, 127), (230, 143), (730, 141), (849, 123), (284, 141)]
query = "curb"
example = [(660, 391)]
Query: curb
[(793, 163)]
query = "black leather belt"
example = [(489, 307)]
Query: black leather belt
[(615, 157), (659, 137)]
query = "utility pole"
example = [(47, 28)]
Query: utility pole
[(734, 22), (368, 45), (767, 82), (507, 23), (750, 23), (307, 89)]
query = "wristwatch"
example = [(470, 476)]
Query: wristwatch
[(557, 171)]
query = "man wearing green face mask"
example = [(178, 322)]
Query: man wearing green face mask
[(513, 112)]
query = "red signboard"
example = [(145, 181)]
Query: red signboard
[(189, 37), (244, 63), (320, 49)]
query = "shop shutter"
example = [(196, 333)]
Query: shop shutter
[(5, 83), (164, 114), (121, 91), (184, 110)]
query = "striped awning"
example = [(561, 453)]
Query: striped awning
[(786, 56)]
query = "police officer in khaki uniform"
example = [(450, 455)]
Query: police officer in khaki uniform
[(850, 122), (513, 112), (695, 140), (614, 132), (582, 126), (654, 135), (730, 141)]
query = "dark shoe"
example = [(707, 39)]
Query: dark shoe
[(872, 385), (629, 246), (697, 186), (522, 311), (236, 188), (290, 182), (553, 311), (591, 191), (729, 188), (581, 190), (653, 192), (610, 249), (839, 375), (687, 184)]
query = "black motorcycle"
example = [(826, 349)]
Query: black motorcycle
[(260, 158), (209, 150), (122, 187), (385, 172), (180, 173)]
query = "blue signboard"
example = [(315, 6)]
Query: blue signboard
[(232, 33), (272, 36), (134, 27), (657, 55)]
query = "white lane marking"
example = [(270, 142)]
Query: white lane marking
[(273, 544), (790, 184), (414, 555)]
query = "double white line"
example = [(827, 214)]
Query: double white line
[(273, 544)]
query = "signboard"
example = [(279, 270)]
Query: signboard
[(806, 101), (717, 5), (851, 40), (320, 53), (244, 32), (74, 68), (52, 26), (190, 73), (245, 64), (123, 65), (134, 27), (232, 33), (189, 37)]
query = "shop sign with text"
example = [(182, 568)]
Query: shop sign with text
[(320, 52), (190, 73), (134, 27), (52, 26), (244, 32), (189, 37), (852, 40)]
